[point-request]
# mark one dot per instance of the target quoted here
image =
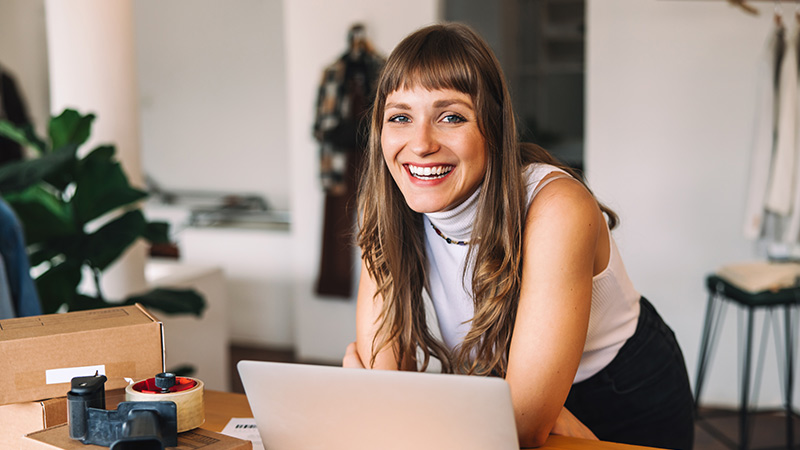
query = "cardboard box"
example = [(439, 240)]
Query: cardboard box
[(58, 438), (19, 419), (41, 354)]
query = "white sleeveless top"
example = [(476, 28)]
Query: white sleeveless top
[(615, 302)]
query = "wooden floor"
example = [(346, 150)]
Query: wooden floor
[(718, 429)]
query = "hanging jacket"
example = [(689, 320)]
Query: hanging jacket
[(344, 96)]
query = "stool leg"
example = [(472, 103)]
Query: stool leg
[(789, 332), (743, 431), (705, 346)]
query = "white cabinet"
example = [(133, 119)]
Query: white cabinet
[(258, 272), (199, 342)]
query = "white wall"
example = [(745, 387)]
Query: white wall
[(315, 36), (213, 96), (670, 107)]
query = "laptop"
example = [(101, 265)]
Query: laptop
[(307, 407)]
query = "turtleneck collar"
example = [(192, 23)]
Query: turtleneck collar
[(457, 223)]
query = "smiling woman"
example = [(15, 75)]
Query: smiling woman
[(433, 147), (515, 253)]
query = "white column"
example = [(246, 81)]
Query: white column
[(93, 69)]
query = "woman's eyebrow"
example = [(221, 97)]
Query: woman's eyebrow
[(396, 105), (444, 103)]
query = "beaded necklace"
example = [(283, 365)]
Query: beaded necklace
[(447, 239)]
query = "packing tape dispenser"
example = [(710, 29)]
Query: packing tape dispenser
[(187, 393)]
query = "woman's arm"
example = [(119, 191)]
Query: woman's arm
[(563, 232), (569, 425), (368, 311)]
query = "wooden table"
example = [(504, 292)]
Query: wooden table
[(222, 406)]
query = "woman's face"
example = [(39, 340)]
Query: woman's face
[(433, 147)]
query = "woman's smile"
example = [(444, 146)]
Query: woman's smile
[(433, 147), (428, 173)]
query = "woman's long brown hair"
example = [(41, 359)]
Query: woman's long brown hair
[(449, 56)]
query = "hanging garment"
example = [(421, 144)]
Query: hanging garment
[(780, 193), (344, 97), (13, 109), (791, 234), (763, 142), (17, 267)]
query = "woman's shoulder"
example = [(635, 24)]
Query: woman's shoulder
[(557, 192), (535, 173)]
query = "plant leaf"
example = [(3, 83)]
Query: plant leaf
[(65, 174), (83, 302), (101, 186), (106, 244), (183, 370), (13, 132), (74, 246), (42, 214), (23, 135), (171, 301), (34, 140), (58, 285), (70, 128), (39, 254), (21, 175), (157, 232)]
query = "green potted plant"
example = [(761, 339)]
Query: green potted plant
[(80, 212)]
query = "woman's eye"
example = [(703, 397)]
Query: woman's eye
[(453, 118), (399, 118)]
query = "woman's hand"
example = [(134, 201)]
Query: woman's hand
[(351, 358), (569, 425)]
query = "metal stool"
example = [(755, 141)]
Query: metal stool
[(721, 291)]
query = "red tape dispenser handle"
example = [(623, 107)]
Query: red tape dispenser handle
[(187, 393), (164, 383)]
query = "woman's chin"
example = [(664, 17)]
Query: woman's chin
[(426, 206)]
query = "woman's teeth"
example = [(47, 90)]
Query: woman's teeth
[(429, 173)]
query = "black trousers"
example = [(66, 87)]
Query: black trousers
[(643, 396)]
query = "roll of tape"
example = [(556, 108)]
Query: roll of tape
[(189, 402)]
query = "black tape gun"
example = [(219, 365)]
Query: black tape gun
[(133, 425)]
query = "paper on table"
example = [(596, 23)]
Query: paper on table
[(244, 428)]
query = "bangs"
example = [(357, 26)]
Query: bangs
[(434, 60)]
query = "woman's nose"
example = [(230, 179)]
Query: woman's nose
[(423, 141)]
